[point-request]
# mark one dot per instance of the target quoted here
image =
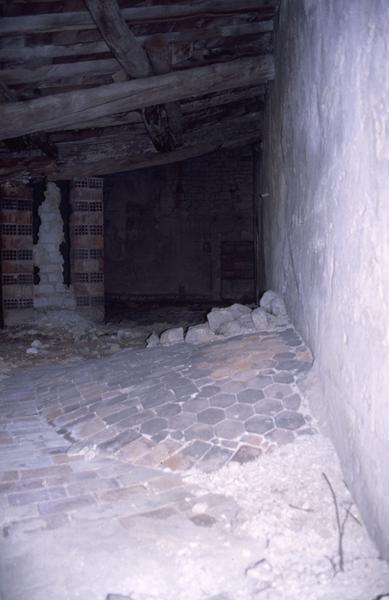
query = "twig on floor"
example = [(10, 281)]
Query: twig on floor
[(301, 508), (353, 516), (340, 524), (256, 564), (380, 596), (262, 589), (333, 565)]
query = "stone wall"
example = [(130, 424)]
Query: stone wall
[(182, 231), (326, 222), (51, 292)]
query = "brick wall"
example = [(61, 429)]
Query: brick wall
[(16, 251), (87, 244)]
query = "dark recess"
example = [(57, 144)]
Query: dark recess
[(65, 210), (38, 197)]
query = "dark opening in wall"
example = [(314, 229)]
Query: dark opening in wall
[(64, 248), (38, 197), (183, 232)]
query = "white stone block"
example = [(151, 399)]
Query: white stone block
[(172, 336)]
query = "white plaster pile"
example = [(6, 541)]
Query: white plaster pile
[(62, 335), (285, 498), (266, 530), (231, 321)]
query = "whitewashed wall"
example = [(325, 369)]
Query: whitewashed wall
[(327, 221)]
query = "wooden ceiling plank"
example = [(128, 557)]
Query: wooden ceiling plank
[(165, 12), (15, 53), (60, 71)]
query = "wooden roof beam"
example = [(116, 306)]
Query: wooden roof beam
[(112, 153), (34, 140), (188, 107), (62, 110)]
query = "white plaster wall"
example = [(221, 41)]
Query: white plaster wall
[(326, 221), (51, 291)]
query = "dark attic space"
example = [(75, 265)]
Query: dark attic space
[(183, 233), (194, 315)]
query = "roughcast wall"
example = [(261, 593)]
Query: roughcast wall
[(326, 221)]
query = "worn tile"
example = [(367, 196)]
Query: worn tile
[(246, 454), (211, 416), (223, 400), (240, 412), (215, 458), (259, 424), (288, 419), (229, 429), (251, 396), (268, 406)]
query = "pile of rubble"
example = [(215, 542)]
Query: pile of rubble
[(63, 336), (232, 321)]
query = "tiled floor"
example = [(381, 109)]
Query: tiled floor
[(110, 439)]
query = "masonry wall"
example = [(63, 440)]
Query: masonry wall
[(326, 222), (16, 257), (183, 231)]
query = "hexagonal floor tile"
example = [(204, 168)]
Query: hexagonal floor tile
[(246, 454), (215, 458), (223, 400), (259, 424), (268, 406), (196, 449), (208, 391), (283, 377), (251, 396), (292, 402), (278, 390), (229, 429), (261, 381), (281, 436), (289, 419), (196, 405), (199, 431), (241, 412), (182, 421), (211, 416)]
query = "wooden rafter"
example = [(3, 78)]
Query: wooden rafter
[(119, 38), (162, 122)]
